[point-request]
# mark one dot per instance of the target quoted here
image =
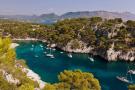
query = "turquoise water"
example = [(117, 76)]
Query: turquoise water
[(48, 68)]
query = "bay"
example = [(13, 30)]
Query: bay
[(33, 52)]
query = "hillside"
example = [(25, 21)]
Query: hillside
[(103, 14), (111, 39), (52, 17)]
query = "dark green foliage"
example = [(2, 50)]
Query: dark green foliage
[(94, 31), (131, 87), (75, 80), (8, 63), (4, 85)]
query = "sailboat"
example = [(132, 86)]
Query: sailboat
[(124, 79), (61, 52), (70, 55), (41, 45), (50, 55), (131, 71), (91, 59)]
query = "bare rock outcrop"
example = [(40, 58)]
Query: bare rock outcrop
[(82, 47), (9, 78)]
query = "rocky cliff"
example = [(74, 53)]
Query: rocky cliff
[(110, 54)]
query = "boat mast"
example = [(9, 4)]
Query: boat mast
[(130, 75)]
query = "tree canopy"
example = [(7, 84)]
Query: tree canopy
[(75, 80)]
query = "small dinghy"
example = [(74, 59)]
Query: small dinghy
[(91, 59), (61, 52), (41, 45), (50, 55), (131, 71), (125, 79), (70, 55)]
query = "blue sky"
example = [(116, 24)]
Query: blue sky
[(31, 7)]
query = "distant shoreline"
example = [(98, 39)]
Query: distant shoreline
[(28, 39)]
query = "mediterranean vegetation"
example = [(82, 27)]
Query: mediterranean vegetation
[(95, 32), (12, 76), (100, 34), (131, 87), (75, 80)]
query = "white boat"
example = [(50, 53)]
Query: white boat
[(41, 45), (131, 71), (91, 59), (47, 48), (49, 55), (124, 79), (32, 45), (70, 55), (61, 52)]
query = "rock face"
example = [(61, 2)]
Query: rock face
[(115, 55), (130, 55), (35, 77), (8, 77), (14, 45), (32, 75), (83, 48), (110, 54)]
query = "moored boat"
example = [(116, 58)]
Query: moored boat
[(124, 79), (61, 52), (131, 71), (70, 55), (91, 59)]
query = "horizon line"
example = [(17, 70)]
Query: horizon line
[(67, 12)]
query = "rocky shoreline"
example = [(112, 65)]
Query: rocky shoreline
[(109, 55), (30, 74)]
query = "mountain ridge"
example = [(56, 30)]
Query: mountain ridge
[(52, 17)]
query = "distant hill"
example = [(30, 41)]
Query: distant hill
[(52, 17), (103, 14)]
